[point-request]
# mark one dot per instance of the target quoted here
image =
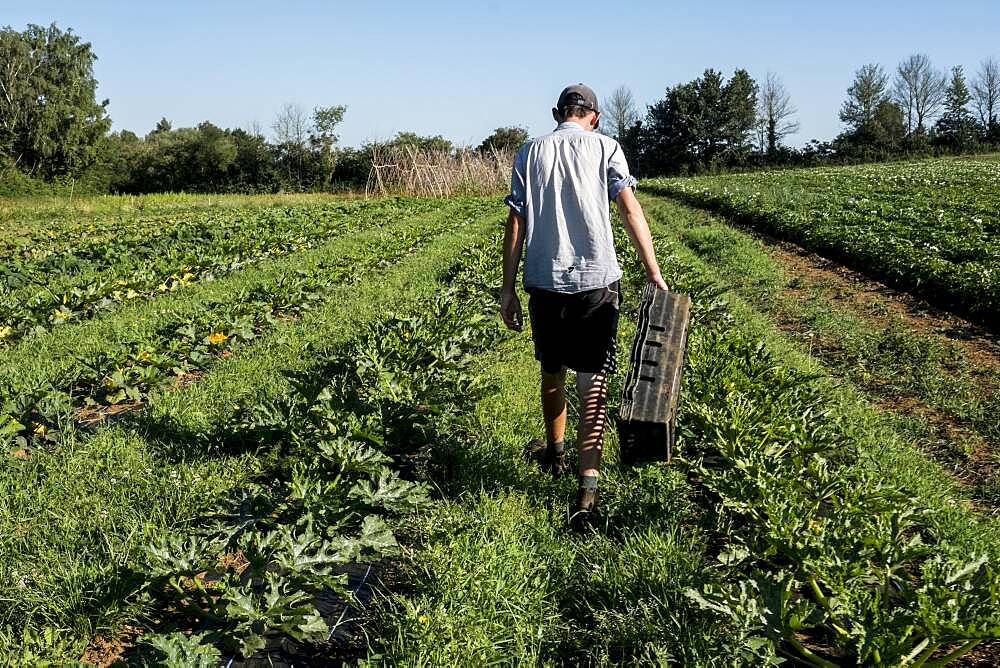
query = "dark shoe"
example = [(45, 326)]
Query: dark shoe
[(549, 461), (584, 511)]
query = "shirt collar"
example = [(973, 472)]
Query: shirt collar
[(569, 125)]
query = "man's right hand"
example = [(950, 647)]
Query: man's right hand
[(658, 281), (510, 311)]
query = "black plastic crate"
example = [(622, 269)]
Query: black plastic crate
[(653, 382)]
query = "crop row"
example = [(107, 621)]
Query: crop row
[(253, 570), (33, 231), (818, 554), (883, 357), (190, 341), (805, 551), (931, 228), (53, 355), (825, 560), (76, 285), (112, 239), (80, 524)]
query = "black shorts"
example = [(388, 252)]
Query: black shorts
[(578, 331)]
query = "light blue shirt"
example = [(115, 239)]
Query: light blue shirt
[(560, 184)]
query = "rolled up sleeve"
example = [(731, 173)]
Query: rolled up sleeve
[(618, 174), (517, 199)]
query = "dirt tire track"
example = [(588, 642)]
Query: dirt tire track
[(980, 345)]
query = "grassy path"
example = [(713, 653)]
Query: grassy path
[(499, 575), (493, 572)]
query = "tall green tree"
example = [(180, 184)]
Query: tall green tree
[(700, 125), (162, 125), (632, 140), (325, 121), (866, 93), (50, 120), (323, 139), (205, 158), (254, 169), (421, 142), (880, 137), (888, 129), (956, 128), (876, 124), (211, 155)]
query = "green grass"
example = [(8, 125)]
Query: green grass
[(493, 573), (873, 349), (498, 575), (74, 573), (930, 227), (75, 519)]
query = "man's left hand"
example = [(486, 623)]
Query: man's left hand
[(510, 311)]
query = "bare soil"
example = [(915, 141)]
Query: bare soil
[(985, 655), (856, 291), (106, 651), (91, 417)]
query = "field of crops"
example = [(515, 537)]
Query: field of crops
[(211, 410), (931, 227)]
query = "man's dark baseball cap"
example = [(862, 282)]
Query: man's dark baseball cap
[(578, 94)]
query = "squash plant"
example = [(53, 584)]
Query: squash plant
[(830, 563), (328, 500)]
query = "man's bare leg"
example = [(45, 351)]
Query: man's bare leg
[(593, 391), (554, 405)]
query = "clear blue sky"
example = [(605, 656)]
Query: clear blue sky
[(461, 69)]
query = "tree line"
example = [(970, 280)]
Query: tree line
[(53, 129), (713, 124)]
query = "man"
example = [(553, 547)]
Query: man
[(559, 217)]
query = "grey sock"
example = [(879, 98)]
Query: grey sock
[(588, 482), (556, 447)]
